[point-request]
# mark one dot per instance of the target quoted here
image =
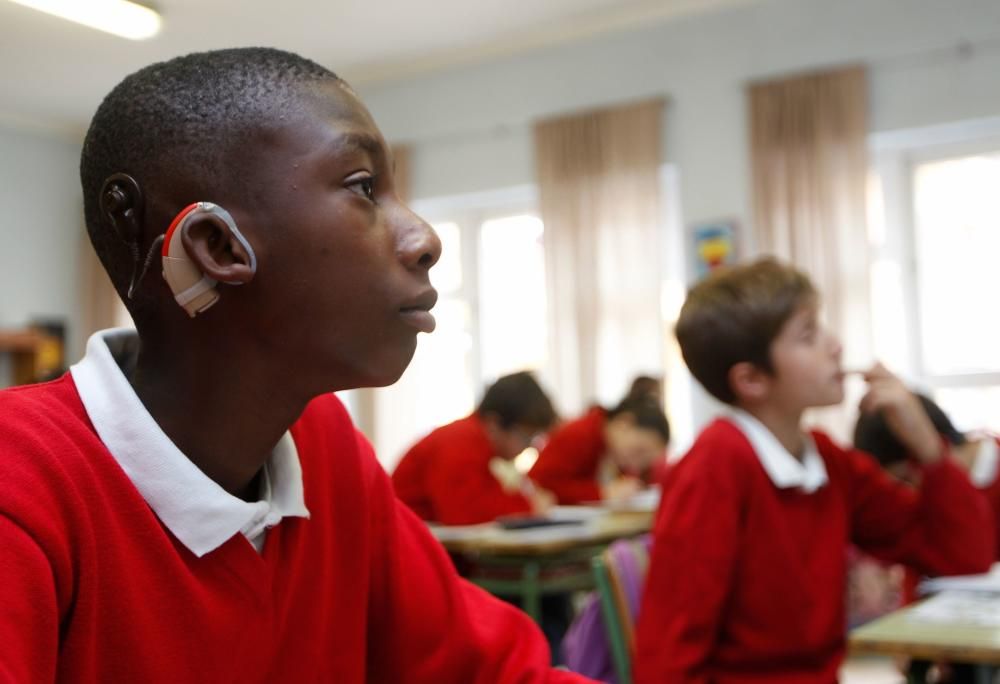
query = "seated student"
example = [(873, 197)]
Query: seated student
[(190, 503), (604, 455), (746, 580), (977, 454), (463, 473)]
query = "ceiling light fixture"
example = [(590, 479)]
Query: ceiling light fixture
[(120, 17)]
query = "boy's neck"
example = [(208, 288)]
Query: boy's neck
[(222, 419), (786, 427)]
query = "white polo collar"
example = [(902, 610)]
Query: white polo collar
[(984, 469), (200, 513), (785, 470)]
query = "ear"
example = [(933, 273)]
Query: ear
[(749, 383), (122, 206), (214, 249)]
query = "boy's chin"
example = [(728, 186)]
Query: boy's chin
[(831, 399)]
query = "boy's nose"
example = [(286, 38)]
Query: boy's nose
[(419, 246), (837, 349)]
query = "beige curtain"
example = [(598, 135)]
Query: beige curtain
[(599, 188), (809, 162)]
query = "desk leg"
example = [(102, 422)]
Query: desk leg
[(984, 674), (531, 591)]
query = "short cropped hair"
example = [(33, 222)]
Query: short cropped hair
[(734, 315), (872, 433), (187, 116), (518, 399), (647, 414)]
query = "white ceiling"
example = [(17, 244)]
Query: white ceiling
[(53, 73)]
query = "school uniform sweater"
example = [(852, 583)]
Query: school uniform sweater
[(985, 476), (568, 465), (94, 587), (446, 477), (747, 578)]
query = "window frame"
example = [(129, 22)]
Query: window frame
[(895, 157)]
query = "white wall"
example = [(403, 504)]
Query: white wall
[(41, 233), (470, 127)]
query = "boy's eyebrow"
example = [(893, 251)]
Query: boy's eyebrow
[(361, 141)]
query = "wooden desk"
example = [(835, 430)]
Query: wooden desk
[(533, 562), (907, 632)]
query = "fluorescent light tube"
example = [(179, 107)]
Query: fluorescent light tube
[(120, 17)]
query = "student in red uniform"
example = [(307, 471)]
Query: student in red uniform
[(463, 472), (747, 574), (977, 454), (191, 503), (604, 455)]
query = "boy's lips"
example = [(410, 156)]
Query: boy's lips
[(416, 312)]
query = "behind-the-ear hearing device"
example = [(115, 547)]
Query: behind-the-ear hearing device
[(194, 290)]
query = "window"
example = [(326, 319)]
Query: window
[(511, 295), (957, 241), (935, 233)]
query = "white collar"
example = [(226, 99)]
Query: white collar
[(785, 470), (984, 468), (200, 513)]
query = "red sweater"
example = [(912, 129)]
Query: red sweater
[(568, 464), (747, 581), (445, 477), (93, 587), (991, 493)]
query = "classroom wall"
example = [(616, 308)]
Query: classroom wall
[(41, 232)]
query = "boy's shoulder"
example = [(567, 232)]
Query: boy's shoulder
[(723, 439), (328, 442), (40, 416), (50, 453), (722, 449), (26, 401), (836, 456), (826, 446)]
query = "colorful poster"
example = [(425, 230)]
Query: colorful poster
[(714, 246)]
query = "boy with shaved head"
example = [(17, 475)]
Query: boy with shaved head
[(190, 502)]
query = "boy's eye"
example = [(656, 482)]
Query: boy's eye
[(365, 187)]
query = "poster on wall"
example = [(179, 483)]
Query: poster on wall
[(715, 245)]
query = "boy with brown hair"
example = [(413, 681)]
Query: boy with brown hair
[(605, 454), (463, 473), (191, 503), (747, 576)]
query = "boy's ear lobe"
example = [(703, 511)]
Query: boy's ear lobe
[(214, 249), (748, 382), (122, 204)]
